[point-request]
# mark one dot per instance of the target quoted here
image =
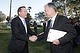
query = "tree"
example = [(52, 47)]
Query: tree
[(67, 7), (29, 8), (40, 16), (3, 17), (8, 18)]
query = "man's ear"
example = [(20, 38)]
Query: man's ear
[(19, 12)]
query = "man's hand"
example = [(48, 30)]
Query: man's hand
[(56, 42), (33, 38)]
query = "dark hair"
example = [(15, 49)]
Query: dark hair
[(52, 5), (19, 9)]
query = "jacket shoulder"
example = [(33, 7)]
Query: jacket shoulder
[(63, 17), (16, 18)]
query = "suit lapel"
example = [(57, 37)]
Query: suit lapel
[(57, 23), (21, 24)]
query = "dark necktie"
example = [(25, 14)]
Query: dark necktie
[(49, 24)]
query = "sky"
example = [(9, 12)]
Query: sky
[(37, 6)]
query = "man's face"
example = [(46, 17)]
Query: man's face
[(23, 12), (49, 12)]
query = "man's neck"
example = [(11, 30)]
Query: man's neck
[(54, 15), (22, 17)]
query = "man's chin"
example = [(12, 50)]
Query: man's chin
[(25, 16)]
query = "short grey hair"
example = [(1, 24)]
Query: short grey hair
[(52, 5)]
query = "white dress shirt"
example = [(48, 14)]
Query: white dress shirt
[(53, 19), (24, 23)]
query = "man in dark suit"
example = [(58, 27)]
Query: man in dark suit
[(20, 32), (59, 22)]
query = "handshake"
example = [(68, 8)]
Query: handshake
[(33, 38)]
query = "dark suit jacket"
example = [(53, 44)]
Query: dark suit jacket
[(19, 37), (61, 23)]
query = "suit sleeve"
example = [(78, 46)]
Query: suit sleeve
[(18, 31), (71, 32), (43, 36)]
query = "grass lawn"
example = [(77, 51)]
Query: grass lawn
[(37, 47), (5, 35)]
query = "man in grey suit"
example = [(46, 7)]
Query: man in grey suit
[(59, 22)]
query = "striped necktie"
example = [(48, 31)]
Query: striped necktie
[(49, 24)]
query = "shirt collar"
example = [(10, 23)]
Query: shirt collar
[(21, 18), (53, 17)]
